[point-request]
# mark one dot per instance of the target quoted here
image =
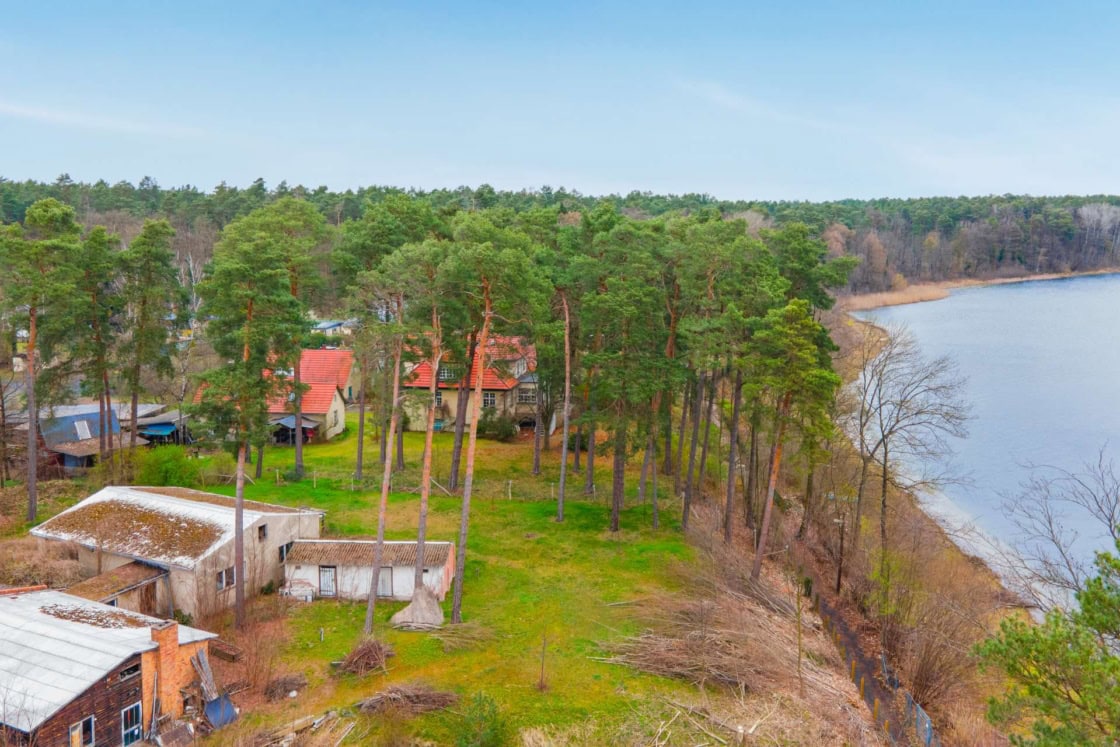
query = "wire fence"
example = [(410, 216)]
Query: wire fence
[(878, 684)]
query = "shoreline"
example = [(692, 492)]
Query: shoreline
[(937, 290)]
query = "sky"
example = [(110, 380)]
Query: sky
[(740, 100)]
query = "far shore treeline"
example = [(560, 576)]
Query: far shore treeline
[(899, 241)]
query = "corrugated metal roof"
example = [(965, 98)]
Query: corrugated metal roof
[(55, 646), (165, 526), (360, 553)]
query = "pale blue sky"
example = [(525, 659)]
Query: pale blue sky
[(811, 100)]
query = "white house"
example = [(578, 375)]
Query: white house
[(343, 569), (183, 538)]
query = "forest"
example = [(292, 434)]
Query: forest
[(689, 335), (899, 240)]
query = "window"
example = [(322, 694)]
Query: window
[(262, 532), (489, 399), (81, 733), (112, 602), (284, 550), (526, 396), (131, 730), (439, 398), (130, 672), (226, 578), (83, 429), (448, 373)]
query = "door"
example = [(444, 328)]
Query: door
[(385, 583), (327, 585)]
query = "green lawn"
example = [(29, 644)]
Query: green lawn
[(527, 578)]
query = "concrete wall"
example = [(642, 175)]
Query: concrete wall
[(353, 582)]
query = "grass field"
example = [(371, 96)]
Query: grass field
[(529, 581)]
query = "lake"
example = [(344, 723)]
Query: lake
[(1042, 360)]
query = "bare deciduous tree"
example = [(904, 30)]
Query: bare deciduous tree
[(1049, 561)]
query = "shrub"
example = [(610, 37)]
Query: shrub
[(483, 724), (214, 469), (496, 427), (166, 465)]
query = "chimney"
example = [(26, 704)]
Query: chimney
[(165, 634)]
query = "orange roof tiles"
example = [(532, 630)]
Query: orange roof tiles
[(500, 349), (326, 366)]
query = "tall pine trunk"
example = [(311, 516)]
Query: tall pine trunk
[(32, 419), (589, 474), (665, 420), (538, 429), (618, 476), (807, 510), (751, 488), (647, 459), (386, 481), (400, 445), (463, 389), (468, 478), (361, 428), (732, 451), (239, 535), (772, 485), (567, 409), (258, 470), (426, 465), (109, 418), (707, 432), (697, 401), (678, 462), (578, 447), (297, 401)]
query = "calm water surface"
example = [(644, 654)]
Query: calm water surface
[(1043, 365)]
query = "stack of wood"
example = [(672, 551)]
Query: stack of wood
[(201, 664), (367, 656), (411, 699)]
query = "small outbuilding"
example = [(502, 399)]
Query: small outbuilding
[(177, 544), (343, 569)]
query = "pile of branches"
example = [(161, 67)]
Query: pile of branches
[(367, 656), (410, 699), (463, 636), (281, 686)]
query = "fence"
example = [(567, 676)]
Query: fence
[(880, 694)]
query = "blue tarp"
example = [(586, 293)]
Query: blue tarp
[(220, 712), (159, 429)]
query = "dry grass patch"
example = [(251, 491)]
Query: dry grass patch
[(29, 561), (408, 698)]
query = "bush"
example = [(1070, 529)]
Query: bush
[(496, 427), (213, 469), (572, 442), (483, 725), (166, 465)]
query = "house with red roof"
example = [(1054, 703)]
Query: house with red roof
[(509, 385), (325, 375)]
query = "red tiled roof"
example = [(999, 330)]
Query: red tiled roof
[(493, 377), (316, 400), (326, 366)]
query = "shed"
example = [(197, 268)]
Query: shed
[(343, 569), (187, 533)]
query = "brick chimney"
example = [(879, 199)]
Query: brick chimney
[(165, 634)]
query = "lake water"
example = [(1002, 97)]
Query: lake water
[(1042, 360)]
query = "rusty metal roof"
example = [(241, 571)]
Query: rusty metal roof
[(360, 553)]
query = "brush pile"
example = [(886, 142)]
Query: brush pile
[(367, 656), (408, 699), (282, 686), (463, 636)]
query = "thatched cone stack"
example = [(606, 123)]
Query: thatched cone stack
[(422, 613)]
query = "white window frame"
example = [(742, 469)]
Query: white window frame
[(78, 730), (527, 396), (439, 397), (227, 578), (493, 397), (135, 734)]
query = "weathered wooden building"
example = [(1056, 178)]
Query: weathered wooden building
[(75, 673)]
